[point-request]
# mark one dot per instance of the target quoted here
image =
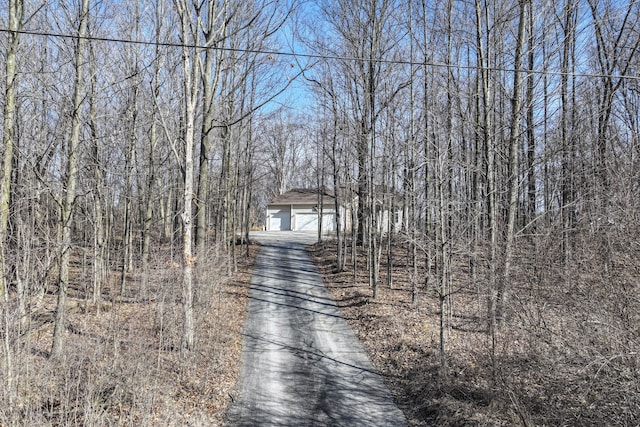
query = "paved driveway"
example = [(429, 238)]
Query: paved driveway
[(276, 237), (302, 365)]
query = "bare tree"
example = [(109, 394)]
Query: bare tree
[(98, 196), (190, 36), (514, 150), (68, 200), (16, 17), (567, 146), (486, 128), (215, 31)]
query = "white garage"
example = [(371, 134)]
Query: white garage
[(299, 210)]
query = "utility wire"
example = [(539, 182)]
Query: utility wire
[(274, 53)]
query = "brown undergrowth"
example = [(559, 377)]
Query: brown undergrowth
[(122, 364), (567, 353)]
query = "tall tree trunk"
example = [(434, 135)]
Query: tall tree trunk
[(486, 118), (531, 128), (335, 163), (567, 149), (131, 147), (16, 13), (426, 148), (247, 184), (210, 79), (71, 180), (391, 206), (127, 237), (149, 196), (443, 187), (190, 70), (370, 125), (409, 221), (99, 223), (513, 166)]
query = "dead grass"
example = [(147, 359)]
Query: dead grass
[(122, 363), (566, 355)]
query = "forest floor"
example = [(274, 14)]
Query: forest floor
[(122, 363), (549, 365)]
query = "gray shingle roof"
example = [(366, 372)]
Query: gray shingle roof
[(301, 197)]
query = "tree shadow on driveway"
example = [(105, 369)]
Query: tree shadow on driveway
[(302, 365)]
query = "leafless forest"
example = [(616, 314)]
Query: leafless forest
[(141, 141)]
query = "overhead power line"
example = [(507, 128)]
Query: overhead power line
[(318, 56)]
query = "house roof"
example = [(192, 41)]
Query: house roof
[(300, 196)]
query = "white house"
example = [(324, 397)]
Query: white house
[(299, 210)]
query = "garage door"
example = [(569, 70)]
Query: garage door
[(309, 222), (279, 219)]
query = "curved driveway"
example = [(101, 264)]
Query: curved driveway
[(301, 363)]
